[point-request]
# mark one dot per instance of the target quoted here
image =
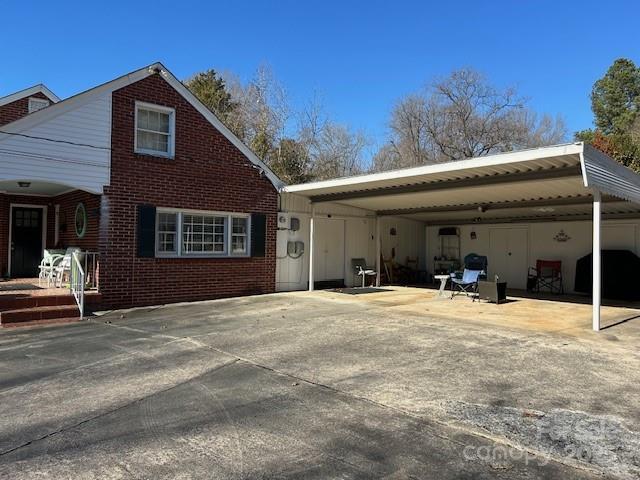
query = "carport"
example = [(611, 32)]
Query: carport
[(570, 182)]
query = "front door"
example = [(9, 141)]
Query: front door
[(26, 241)]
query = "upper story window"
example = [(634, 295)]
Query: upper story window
[(36, 104), (155, 126)]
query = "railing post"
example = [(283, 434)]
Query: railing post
[(311, 246), (597, 260), (77, 282)]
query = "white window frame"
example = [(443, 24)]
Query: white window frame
[(171, 143), (179, 238), (176, 243), (246, 234), (36, 104)]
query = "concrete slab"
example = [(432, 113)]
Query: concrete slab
[(318, 385)]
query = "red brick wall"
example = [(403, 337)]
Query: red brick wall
[(207, 173), (67, 202), (18, 109)]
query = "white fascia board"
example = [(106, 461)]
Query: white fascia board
[(27, 92), (459, 165), (220, 126)]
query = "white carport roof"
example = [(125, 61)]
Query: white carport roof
[(529, 185)]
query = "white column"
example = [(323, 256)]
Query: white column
[(311, 235), (597, 280), (378, 248)]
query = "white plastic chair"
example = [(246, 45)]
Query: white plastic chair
[(47, 264), (62, 266)]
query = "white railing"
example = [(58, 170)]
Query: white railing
[(77, 281), (90, 267)]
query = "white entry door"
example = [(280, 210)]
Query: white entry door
[(508, 255), (328, 253)]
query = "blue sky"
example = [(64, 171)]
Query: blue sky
[(361, 56)]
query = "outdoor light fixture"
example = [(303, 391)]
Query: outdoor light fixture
[(482, 208), (24, 184)]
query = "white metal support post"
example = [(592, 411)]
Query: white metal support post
[(597, 262), (378, 247), (311, 234)]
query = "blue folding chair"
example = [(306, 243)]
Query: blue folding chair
[(475, 266)]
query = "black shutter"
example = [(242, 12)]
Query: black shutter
[(258, 234), (146, 231)]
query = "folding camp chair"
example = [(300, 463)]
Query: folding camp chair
[(475, 266), (546, 275)]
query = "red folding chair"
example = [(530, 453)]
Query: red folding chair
[(547, 275)]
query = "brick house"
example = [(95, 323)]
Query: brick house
[(139, 174)]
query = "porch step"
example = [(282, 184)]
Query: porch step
[(41, 323), (10, 302), (19, 303), (32, 314)]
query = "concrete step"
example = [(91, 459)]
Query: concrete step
[(17, 302), (41, 323), (33, 301), (31, 314)]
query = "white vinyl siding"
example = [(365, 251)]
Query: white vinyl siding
[(155, 127), (83, 165), (191, 233)]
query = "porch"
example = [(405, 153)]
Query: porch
[(30, 301)]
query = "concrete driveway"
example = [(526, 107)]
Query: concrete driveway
[(320, 385)]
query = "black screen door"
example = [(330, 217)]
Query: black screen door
[(26, 241)]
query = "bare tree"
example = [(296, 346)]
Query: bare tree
[(386, 158), (338, 152), (263, 110), (334, 150), (463, 116), (410, 131)]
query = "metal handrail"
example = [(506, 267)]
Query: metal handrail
[(91, 261), (77, 282)]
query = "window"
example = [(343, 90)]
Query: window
[(203, 234), (191, 233), (80, 220), (36, 104), (154, 130), (167, 231), (239, 235)]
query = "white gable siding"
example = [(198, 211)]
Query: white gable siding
[(82, 167)]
